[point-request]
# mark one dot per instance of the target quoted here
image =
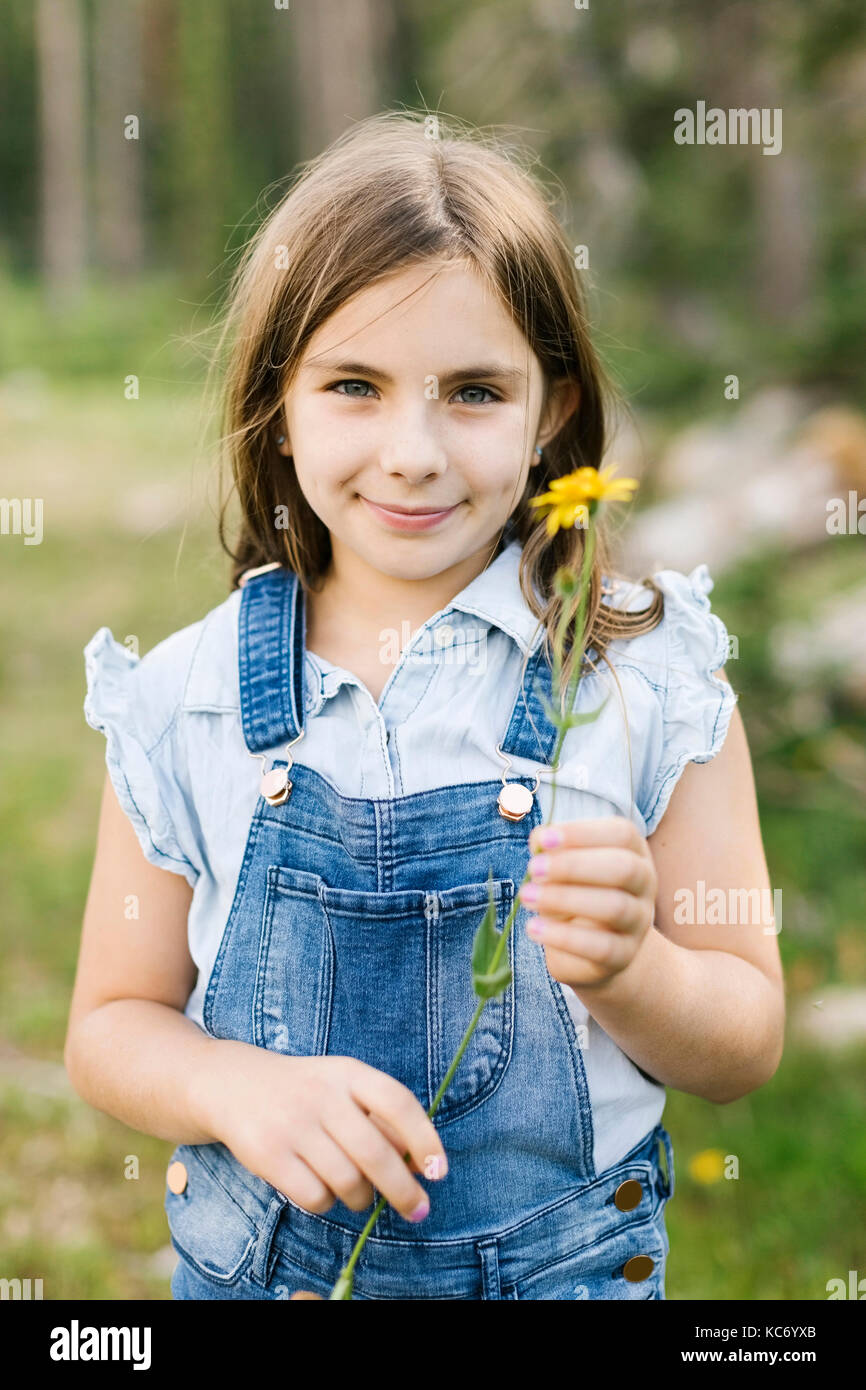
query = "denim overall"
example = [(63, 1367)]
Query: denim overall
[(351, 934)]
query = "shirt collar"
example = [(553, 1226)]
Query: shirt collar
[(496, 597)]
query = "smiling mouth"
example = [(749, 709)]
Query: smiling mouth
[(406, 519), (410, 511)]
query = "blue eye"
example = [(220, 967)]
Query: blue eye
[(350, 382), (477, 388)]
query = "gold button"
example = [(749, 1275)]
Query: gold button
[(514, 800), (638, 1267), (628, 1195), (176, 1177)]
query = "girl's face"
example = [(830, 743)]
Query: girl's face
[(421, 395)]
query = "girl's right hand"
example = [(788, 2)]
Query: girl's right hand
[(321, 1128)]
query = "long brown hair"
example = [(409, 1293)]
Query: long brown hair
[(398, 189)]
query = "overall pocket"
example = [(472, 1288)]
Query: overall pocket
[(207, 1226), (384, 977), (624, 1264)]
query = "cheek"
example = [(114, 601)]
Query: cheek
[(491, 450), (327, 452)]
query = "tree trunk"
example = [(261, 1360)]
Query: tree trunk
[(118, 158), (340, 55), (785, 215), (63, 232), (200, 134)]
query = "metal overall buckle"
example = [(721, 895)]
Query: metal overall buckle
[(276, 786), (515, 800)]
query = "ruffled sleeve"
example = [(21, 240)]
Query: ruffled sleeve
[(135, 703), (696, 705)]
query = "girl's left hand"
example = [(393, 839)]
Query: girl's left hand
[(595, 897)]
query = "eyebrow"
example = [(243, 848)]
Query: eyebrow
[(490, 371)]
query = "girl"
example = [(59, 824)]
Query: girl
[(410, 364)]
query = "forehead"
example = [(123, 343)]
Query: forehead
[(447, 307)]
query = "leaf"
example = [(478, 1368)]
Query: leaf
[(487, 982), (489, 986), (571, 721), (565, 582)]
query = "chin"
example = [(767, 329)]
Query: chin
[(412, 557)]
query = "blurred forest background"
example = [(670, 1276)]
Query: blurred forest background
[(706, 263)]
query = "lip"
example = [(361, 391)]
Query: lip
[(420, 520)]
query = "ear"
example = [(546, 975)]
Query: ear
[(280, 427), (562, 402)]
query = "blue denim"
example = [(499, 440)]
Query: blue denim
[(351, 933)]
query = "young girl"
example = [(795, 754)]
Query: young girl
[(319, 763)]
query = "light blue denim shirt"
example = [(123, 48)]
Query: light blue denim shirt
[(182, 773)]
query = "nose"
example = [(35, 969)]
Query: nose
[(411, 447)]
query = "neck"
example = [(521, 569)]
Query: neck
[(359, 598)]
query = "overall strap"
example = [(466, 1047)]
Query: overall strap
[(271, 644), (530, 733)]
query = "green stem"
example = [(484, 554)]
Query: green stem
[(342, 1289), (577, 650)]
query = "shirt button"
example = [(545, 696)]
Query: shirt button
[(176, 1177), (637, 1268), (628, 1195), (444, 635)]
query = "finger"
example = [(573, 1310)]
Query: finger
[(574, 970), (395, 1103), (323, 1152), (621, 912), (614, 868), (393, 1137), (601, 947), (616, 831), (381, 1162), (297, 1179)]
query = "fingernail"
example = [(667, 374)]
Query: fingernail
[(539, 865), (529, 892), (420, 1211), (535, 927), (550, 836)]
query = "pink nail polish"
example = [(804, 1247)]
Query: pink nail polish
[(420, 1211), (535, 928), (529, 892), (550, 837), (539, 865)]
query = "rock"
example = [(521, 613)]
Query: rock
[(764, 477), (833, 1016)]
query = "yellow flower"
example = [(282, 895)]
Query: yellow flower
[(708, 1166), (573, 499)]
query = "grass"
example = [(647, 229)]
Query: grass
[(793, 1217)]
